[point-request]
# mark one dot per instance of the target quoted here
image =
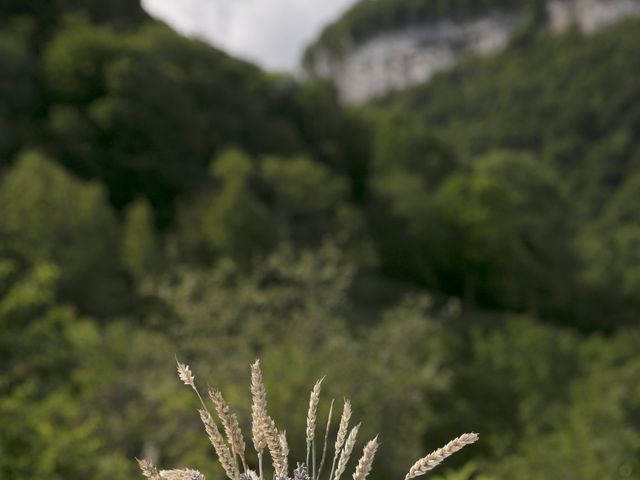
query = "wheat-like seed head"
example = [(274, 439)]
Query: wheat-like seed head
[(148, 469), (182, 474), (184, 372), (341, 436), (284, 447), (346, 452), (230, 423), (366, 461), (314, 400), (436, 457), (266, 435), (275, 447), (258, 408), (227, 461), (344, 426)]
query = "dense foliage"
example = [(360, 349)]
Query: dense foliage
[(462, 256), (547, 136)]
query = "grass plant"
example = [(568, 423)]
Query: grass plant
[(230, 447)]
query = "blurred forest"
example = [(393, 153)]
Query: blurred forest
[(462, 256)]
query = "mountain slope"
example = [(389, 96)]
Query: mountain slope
[(541, 159), (47, 13), (115, 96), (383, 46), (574, 100)]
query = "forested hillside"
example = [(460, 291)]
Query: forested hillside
[(462, 256), (546, 140)]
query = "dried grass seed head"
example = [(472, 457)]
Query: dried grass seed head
[(229, 422), (366, 461), (184, 373), (314, 400), (227, 461), (258, 408), (346, 452), (148, 469), (181, 474), (344, 426), (436, 457)]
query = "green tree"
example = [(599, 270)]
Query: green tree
[(510, 380), (17, 92), (253, 204), (141, 250), (511, 235), (409, 167), (47, 430), (49, 14), (310, 203), (498, 232), (145, 110), (47, 215), (609, 248), (598, 435), (402, 145), (236, 223)]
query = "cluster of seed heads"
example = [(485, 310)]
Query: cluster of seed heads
[(265, 435)]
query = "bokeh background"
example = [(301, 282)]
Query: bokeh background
[(452, 239)]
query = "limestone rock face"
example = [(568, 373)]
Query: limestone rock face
[(395, 60), (588, 15)]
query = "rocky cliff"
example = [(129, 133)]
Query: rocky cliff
[(396, 59)]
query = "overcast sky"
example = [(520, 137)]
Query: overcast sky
[(272, 33)]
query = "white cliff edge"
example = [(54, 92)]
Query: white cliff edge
[(398, 59)]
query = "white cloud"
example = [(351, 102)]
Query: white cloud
[(272, 33)]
